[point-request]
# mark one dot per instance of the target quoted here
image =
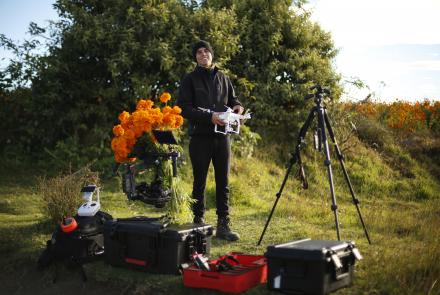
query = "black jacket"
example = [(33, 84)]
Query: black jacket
[(209, 89)]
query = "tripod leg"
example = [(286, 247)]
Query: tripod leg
[(295, 158), (347, 178), (327, 162), (289, 169)]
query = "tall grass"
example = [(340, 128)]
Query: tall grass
[(406, 256), (61, 194), (399, 195), (179, 207)]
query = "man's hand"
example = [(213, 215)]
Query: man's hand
[(216, 119), (238, 109)]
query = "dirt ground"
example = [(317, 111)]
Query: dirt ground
[(30, 280)]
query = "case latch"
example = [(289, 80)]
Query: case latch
[(336, 261), (355, 252)]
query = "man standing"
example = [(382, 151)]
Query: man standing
[(204, 93)]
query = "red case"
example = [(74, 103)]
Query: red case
[(251, 271)]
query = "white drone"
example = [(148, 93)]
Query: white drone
[(232, 121), (90, 207)]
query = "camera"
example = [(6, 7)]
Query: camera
[(153, 193)]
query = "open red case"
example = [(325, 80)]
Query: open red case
[(230, 273)]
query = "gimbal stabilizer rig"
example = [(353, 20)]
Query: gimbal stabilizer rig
[(323, 124), (153, 193)]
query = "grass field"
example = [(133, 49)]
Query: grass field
[(402, 215)]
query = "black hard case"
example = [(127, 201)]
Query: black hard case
[(311, 266), (152, 246)]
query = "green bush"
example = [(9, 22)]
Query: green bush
[(244, 144), (119, 51), (373, 132)]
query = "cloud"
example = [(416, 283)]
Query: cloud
[(427, 65), (378, 22), (395, 41)]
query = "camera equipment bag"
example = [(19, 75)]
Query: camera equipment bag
[(150, 245), (78, 246), (311, 266), (231, 273)]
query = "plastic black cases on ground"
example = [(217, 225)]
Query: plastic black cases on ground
[(311, 266), (153, 247)]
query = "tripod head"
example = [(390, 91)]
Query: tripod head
[(319, 93)]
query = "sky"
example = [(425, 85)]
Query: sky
[(16, 15), (391, 45)]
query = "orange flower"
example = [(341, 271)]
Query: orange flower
[(155, 117), (127, 123), (144, 104), (146, 127), (179, 122), (123, 116), (143, 120), (137, 131), (167, 110), (165, 97), (118, 144), (140, 117), (168, 119), (130, 138), (118, 130), (177, 110)]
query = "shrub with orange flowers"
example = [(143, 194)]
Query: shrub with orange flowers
[(401, 115), (142, 121)]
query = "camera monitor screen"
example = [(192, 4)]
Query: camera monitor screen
[(164, 137)]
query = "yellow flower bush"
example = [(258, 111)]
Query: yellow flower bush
[(145, 119)]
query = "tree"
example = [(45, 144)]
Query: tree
[(105, 55), (281, 54)]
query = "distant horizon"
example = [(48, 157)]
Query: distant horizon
[(408, 72)]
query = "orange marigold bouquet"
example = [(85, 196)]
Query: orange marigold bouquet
[(142, 121)]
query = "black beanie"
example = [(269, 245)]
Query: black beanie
[(201, 44)]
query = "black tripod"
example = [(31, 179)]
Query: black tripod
[(323, 124)]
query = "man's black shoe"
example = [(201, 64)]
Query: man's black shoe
[(224, 231)]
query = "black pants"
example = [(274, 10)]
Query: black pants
[(203, 149)]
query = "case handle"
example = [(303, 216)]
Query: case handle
[(340, 272), (341, 276)]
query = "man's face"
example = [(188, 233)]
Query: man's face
[(204, 57)]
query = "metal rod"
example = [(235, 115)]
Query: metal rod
[(347, 178), (293, 160), (324, 126), (327, 162)]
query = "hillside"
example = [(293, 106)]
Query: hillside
[(400, 201)]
